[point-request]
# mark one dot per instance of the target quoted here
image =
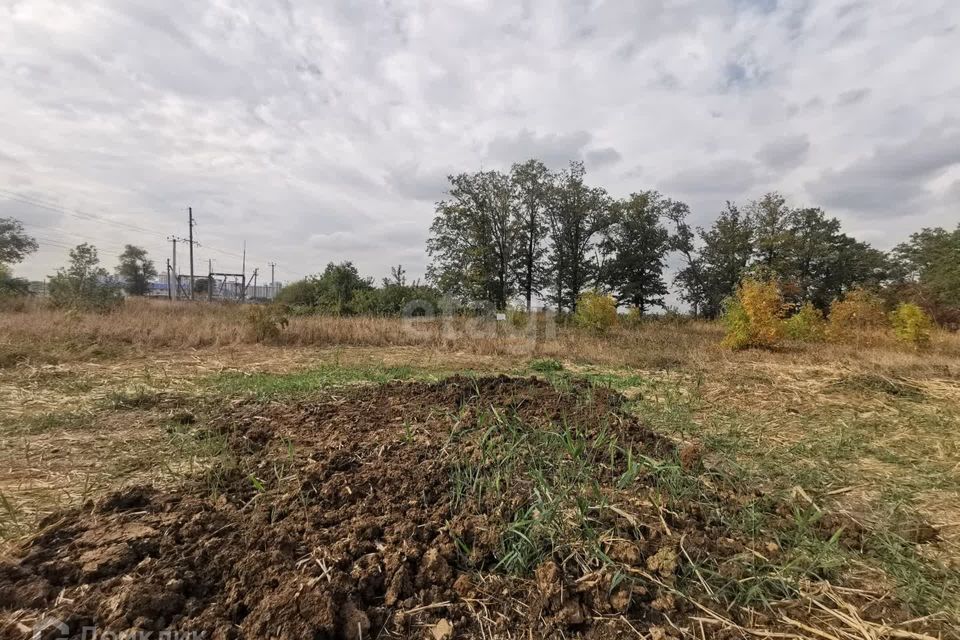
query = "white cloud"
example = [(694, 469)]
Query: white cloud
[(304, 128)]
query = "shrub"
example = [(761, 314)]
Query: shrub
[(84, 285), (299, 294), (911, 325), (518, 318), (546, 365), (596, 311), (10, 286), (753, 317), (265, 322), (860, 311), (807, 324)]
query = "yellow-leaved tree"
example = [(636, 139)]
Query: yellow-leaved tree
[(596, 311), (754, 316), (911, 325), (858, 315), (807, 324)]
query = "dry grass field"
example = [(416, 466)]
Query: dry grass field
[(648, 483)]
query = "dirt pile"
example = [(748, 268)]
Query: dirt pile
[(465, 508)]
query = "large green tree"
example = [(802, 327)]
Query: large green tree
[(770, 216), (820, 263), (637, 242), (136, 270), (576, 214), (689, 276), (929, 270), (531, 186), (725, 253), (15, 244), (338, 288), (472, 239)]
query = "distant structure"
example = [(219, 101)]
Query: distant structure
[(222, 291)]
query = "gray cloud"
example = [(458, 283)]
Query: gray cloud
[(852, 97), (555, 150), (721, 177), (284, 122), (410, 182), (602, 157), (784, 153), (893, 179)]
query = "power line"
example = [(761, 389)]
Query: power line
[(91, 217), (31, 200)]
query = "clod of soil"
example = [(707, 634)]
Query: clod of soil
[(465, 508)]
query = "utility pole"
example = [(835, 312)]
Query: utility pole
[(246, 283), (169, 282), (173, 239), (209, 280), (273, 285), (190, 213), (243, 270)]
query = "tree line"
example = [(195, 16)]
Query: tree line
[(531, 233), (83, 282)]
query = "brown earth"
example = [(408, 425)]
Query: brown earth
[(341, 517)]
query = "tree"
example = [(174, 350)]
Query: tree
[(929, 270), (396, 297), (531, 184), (338, 286), (15, 244), (637, 243), (770, 216), (11, 286), (300, 293), (690, 276), (472, 239), (576, 214), (84, 284), (724, 256), (136, 270), (819, 263)]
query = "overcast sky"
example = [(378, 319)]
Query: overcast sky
[(323, 131)]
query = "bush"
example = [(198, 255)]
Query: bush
[(301, 293), (10, 286), (596, 312), (546, 365), (911, 325), (807, 325), (753, 317), (265, 322), (518, 318), (84, 285), (860, 311)]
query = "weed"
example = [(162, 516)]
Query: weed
[(546, 365), (269, 385), (265, 322), (550, 475), (878, 383), (139, 397)]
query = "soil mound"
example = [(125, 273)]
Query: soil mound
[(484, 507)]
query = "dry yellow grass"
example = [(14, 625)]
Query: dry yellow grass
[(40, 334)]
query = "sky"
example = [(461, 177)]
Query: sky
[(324, 131)]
